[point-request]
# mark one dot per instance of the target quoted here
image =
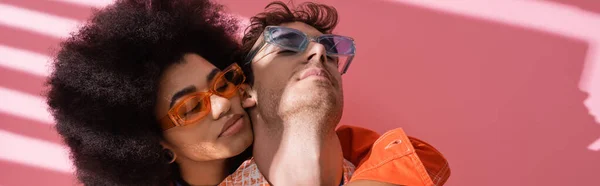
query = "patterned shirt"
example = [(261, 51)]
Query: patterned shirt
[(249, 175)]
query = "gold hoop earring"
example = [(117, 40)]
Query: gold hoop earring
[(170, 154)]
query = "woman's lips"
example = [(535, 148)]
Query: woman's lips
[(232, 125)]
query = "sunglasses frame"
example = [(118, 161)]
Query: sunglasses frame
[(173, 118), (269, 39)]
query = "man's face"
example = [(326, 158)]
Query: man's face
[(289, 83)]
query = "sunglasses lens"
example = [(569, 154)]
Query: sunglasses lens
[(337, 45), (287, 38), (193, 109), (223, 87), (234, 76), (226, 84), (340, 49)]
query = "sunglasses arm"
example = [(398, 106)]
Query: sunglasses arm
[(253, 52)]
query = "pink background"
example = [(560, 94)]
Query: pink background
[(507, 90)]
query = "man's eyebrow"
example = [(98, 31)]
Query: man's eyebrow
[(182, 92)]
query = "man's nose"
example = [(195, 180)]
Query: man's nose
[(316, 53)]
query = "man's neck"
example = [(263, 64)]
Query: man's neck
[(202, 173), (300, 152)]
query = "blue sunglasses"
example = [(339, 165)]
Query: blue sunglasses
[(336, 46)]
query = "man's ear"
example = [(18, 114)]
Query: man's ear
[(248, 96)]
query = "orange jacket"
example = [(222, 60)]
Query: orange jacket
[(392, 157)]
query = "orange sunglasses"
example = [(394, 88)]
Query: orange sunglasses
[(194, 107)]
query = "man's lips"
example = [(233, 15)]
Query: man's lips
[(315, 72), (231, 122)]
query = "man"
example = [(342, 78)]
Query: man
[(295, 68)]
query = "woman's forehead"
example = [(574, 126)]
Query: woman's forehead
[(192, 71)]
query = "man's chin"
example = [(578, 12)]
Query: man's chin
[(311, 102), (312, 88), (318, 96)]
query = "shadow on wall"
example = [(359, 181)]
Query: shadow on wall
[(14, 172), (500, 101), (592, 6)]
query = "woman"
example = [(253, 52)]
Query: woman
[(138, 96)]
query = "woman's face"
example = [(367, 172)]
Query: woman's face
[(222, 133)]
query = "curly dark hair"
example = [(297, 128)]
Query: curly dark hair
[(104, 85), (322, 17)]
